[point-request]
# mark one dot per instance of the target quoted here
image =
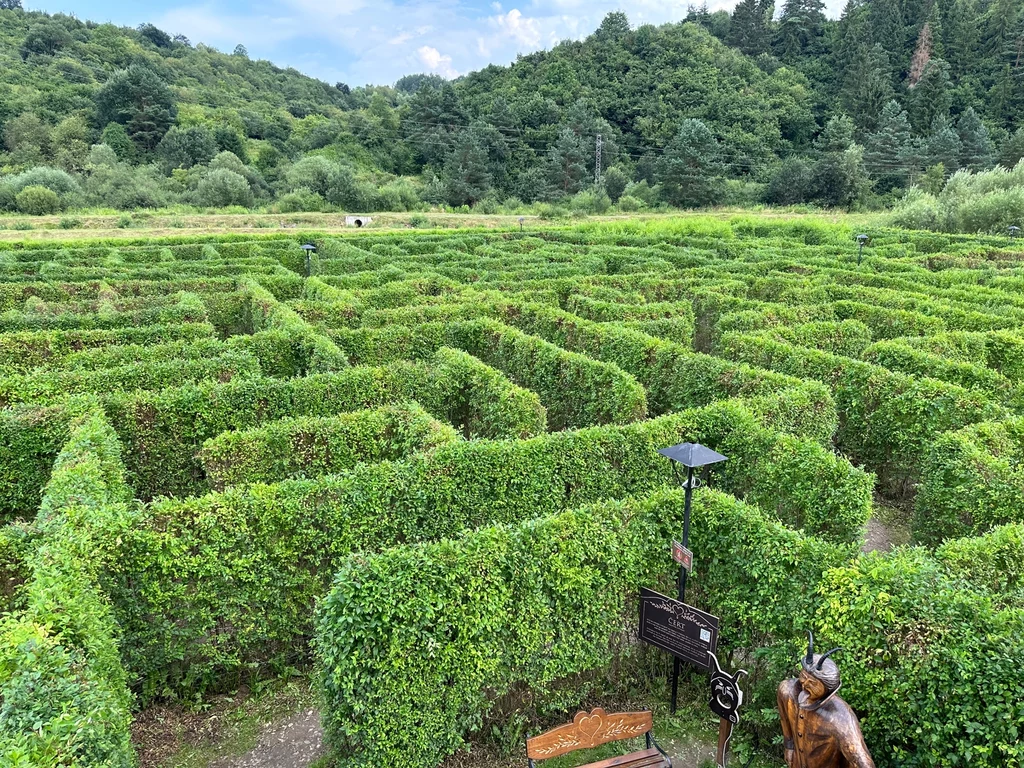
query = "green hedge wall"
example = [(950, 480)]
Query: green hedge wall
[(262, 311), (576, 390), (675, 377), (313, 446), (899, 356), (971, 480), (188, 309), (416, 643), (21, 352), (52, 387), (210, 590), (932, 663), (1002, 351), (31, 437), (887, 419), (62, 685), (162, 431)]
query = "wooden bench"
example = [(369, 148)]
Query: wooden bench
[(597, 728)]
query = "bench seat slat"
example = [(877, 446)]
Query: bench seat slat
[(648, 758)]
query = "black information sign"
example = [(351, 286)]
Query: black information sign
[(678, 628)]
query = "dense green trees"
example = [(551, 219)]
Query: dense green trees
[(790, 110)]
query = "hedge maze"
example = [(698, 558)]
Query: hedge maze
[(428, 472)]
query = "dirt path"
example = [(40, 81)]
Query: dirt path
[(297, 741), (294, 742)]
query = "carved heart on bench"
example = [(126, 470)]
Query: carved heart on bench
[(591, 725)]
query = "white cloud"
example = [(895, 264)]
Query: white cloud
[(437, 62), (525, 31), (398, 39)]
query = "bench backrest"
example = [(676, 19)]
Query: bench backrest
[(588, 730)]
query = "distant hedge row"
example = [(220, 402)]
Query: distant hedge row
[(887, 419), (675, 377), (307, 446)]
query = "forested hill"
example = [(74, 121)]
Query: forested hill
[(744, 107)]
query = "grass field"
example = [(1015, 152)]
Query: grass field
[(419, 480)]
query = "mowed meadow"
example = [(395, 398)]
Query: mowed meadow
[(422, 468)]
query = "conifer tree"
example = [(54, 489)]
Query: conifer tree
[(943, 144), (749, 28), (889, 150), (1013, 149), (867, 87), (567, 164), (690, 171), (975, 145), (930, 97), (466, 178)]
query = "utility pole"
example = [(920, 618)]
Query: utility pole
[(597, 163)]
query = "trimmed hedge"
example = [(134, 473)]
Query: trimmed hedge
[(262, 311), (674, 377), (416, 643), (62, 685), (576, 390), (931, 663), (897, 356), (188, 309), (21, 352), (313, 446), (971, 480), (1002, 351), (211, 590), (54, 386), (887, 419), (162, 431)]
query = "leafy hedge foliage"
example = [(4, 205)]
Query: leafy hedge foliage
[(932, 663), (189, 308), (195, 573), (313, 446), (52, 387), (62, 684), (1002, 351), (971, 480), (904, 358), (416, 643), (675, 377), (162, 431), (576, 390), (264, 312), (887, 419)]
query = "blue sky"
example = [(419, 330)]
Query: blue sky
[(377, 41)]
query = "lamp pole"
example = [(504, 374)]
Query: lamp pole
[(861, 241), (692, 456)]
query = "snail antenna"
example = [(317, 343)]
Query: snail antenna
[(826, 655), (810, 647)]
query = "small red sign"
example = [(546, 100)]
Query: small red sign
[(682, 555)]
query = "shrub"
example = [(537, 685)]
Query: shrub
[(630, 204), (526, 606), (70, 223), (916, 640), (301, 200), (221, 188), (309, 447), (37, 201), (971, 480), (61, 678)]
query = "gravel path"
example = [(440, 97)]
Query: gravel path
[(292, 743)]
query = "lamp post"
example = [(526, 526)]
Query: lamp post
[(692, 456), (310, 249), (861, 242), (1014, 233), (521, 220)]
